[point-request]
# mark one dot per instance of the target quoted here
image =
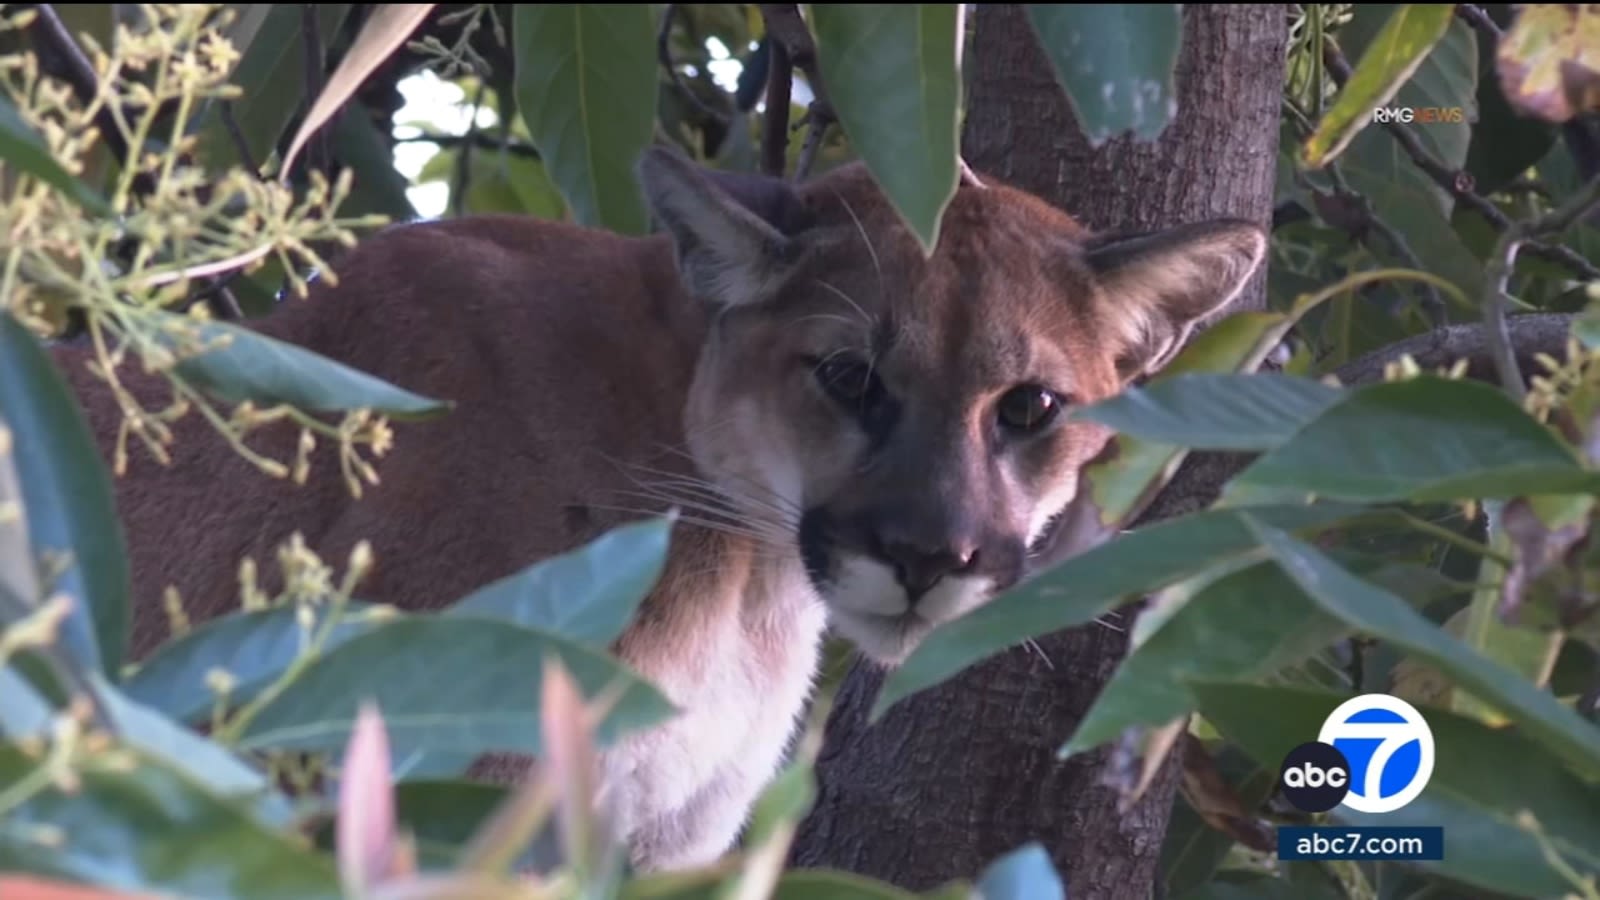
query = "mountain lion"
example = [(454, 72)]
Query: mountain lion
[(855, 435)]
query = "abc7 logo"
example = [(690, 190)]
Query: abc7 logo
[(1394, 752)]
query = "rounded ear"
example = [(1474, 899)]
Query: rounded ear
[(1158, 286), (734, 236)]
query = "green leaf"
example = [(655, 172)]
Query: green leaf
[(377, 186), (1424, 439), (1193, 849), (1504, 144), (448, 684), (1393, 56), (1229, 630), (442, 816), (1215, 411), (1482, 778), (1116, 61), (202, 759), (22, 147), (254, 648), (1025, 873), (586, 89), (67, 497), (271, 72), (252, 366), (588, 595), (893, 81), (1367, 607), (1086, 586), (148, 827), (1446, 78)]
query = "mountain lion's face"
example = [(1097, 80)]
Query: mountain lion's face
[(903, 421)]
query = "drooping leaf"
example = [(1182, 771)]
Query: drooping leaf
[(446, 683), (23, 710), (1504, 143), (1411, 32), (150, 827), (253, 648), (1215, 411), (1549, 61), (22, 147), (586, 89), (67, 497), (1025, 873), (241, 364), (1116, 61), (386, 28), (1086, 586), (1367, 607), (376, 187), (1423, 439), (588, 595), (893, 80), (1482, 778)]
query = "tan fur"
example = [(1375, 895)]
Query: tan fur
[(597, 376)]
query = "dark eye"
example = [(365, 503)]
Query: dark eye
[(1028, 408), (849, 381)]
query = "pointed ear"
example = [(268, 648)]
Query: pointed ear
[(735, 236), (1158, 286)]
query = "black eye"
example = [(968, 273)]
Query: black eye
[(1028, 408), (849, 381)]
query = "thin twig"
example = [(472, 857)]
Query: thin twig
[(479, 140), (775, 128), (787, 29), (1460, 184), (458, 190), (317, 153), (1433, 306), (1498, 273), (664, 55), (1474, 15)]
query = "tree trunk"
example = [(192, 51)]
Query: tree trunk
[(961, 774)]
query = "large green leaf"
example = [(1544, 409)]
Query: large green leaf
[(149, 827), (203, 760), (67, 497), (1215, 411), (1086, 586), (252, 366), (377, 186), (1244, 625), (1366, 607), (446, 683), (1482, 778), (588, 595), (586, 89), (22, 147), (1394, 54), (893, 81), (254, 648), (1116, 61), (1426, 438), (271, 74), (1447, 78)]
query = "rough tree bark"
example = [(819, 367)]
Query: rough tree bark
[(961, 774)]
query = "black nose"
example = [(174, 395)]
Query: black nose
[(918, 567)]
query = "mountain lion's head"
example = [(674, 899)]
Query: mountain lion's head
[(903, 419)]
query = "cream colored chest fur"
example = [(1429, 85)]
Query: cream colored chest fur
[(680, 793)]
